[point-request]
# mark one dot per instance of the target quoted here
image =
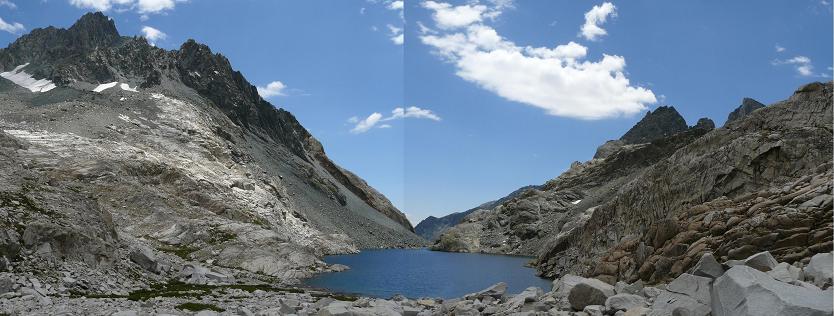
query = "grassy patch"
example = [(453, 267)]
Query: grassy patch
[(196, 307), (183, 252), (219, 237)]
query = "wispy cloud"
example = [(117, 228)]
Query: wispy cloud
[(591, 30), (8, 4), (13, 27), (376, 118), (779, 49), (558, 80), (802, 65)]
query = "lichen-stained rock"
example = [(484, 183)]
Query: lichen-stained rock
[(747, 291)]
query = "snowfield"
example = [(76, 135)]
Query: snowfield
[(23, 79)]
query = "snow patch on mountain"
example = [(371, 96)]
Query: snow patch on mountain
[(23, 79)]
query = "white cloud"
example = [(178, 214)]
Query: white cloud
[(362, 11), (591, 30), (557, 80), (447, 16), (153, 34), (395, 5), (779, 49), (801, 64), (13, 27), (366, 124), (396, 34), (8, 4), (141, 6), (275, 88), (396, 114)]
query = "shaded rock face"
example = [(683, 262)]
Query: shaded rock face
[(663, 122), (192, 166), (747, 106), (650, 211)]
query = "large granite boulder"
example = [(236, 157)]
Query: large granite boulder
[(622, 302), (746, 291), (762, 261), (693, 286), (819, 269), (589, 292), (495, 291), (707, 266), (563, 285)]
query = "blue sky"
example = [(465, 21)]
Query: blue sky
[(492, 95)]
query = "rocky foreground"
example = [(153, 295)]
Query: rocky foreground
[(757, 285)]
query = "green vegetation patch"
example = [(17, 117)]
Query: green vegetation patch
[(219, 237), (176, 288), (183, 252), (196, 307)]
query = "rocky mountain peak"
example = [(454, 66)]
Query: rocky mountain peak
[(94, 29), (748, 105), (664, 121), (704, 123)]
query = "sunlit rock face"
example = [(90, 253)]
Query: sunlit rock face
[(119, 156)]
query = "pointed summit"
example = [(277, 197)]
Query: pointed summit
[(664, 121), (747, 106), (93, 30)]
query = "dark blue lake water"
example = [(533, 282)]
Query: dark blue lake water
[(422, 273)]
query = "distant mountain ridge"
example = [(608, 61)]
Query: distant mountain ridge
[(432, 227)]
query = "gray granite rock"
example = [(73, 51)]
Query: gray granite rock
[(747, 291)]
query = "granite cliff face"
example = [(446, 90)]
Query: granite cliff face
[(649, 211), (120, 156)]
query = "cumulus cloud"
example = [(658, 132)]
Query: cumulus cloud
[(141, 6), (8, 4), (558, 80), (398, 113), (13, 27), (275, 88), (779, 49), (153, 34), (447, 16), (591, 30), (801, 64)]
